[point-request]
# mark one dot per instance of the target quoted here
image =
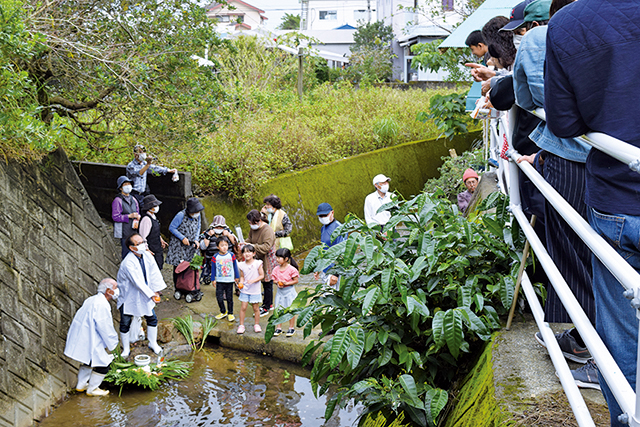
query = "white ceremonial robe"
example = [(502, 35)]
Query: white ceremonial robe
[(135, 294), (91, 332)]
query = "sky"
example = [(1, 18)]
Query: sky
[(275, 10)]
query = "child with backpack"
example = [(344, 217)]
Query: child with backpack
[(286, 276), (251, 274), (224, 273)]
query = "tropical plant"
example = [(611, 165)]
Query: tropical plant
[(416, 298), (448, 114), (185, 326), (290, 22)]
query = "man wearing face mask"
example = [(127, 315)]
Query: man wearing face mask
[(125, 212), (140, 281), (137, 171), (90, 333), (185, 229), (376, 199), (208, 245), (150, 228), (329, 224)]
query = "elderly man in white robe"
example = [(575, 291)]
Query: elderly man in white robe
[(90, 333), (140, 281)]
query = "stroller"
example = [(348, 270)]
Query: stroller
[(187, 283)]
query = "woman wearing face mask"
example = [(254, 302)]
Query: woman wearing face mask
[(150, 228), (209, 247), (185, 229), (263, 238), (278, 220), (125, 213)]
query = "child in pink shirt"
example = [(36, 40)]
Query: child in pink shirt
[(251, 273), (286, 276)]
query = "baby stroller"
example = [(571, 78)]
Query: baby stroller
[(187, 283)]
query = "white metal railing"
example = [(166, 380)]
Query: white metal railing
[(507, 172)]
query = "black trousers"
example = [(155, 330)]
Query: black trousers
[(224, 291), (268, 294)]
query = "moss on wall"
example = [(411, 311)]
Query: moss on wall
[(475, 404), (344, 184)]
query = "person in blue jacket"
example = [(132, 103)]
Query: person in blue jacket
[(329, 224)]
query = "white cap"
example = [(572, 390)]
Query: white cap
[(380, 178)]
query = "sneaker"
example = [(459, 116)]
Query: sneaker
[(587, 376), (221, 316), (257, 329), (263, 311), (271, 307), (569, 346), (231, 318), (277, 332), (241, 329), (290, 332)]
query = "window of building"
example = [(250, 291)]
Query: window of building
[(360, 15), (223, 18), (326, 15)]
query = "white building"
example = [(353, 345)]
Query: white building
[(239, 17), (332, 14)]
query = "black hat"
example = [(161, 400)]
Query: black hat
[(150, 202), (194, 205)]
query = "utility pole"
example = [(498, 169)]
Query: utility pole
[(300, 55)]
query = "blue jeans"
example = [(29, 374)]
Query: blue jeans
[(616, 320)]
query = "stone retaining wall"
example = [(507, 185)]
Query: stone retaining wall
[(54, 250)]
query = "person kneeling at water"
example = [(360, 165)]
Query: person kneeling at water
[(90, 333)]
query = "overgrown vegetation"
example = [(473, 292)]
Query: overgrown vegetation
[(451, 171), (416, 298), (448, 114)]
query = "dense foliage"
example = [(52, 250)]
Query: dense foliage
[(371, 57), (428, 57), (416, 298), (151, 376), (290, 22), (451, 171), (448, 114)]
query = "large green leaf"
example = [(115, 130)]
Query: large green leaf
[(453, 333), (437, 326), (311, 260), (409, 386), (418, 266), (385, 356), (350, 250), (382, 336), (507, 288), (367, 246), (356, 346), (386, 280), (370, 299), (339, 344), (414, 304), (434, 402)]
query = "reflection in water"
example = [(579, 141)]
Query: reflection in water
[(226, 387)]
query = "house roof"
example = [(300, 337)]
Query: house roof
[(213, 6), (477, 19), (242, 25), (346, 27)]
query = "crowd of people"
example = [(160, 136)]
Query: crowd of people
[(576, 60)]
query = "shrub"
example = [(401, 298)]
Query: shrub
[(411, 307), (451, 171)]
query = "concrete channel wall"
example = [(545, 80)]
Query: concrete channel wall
[(54, 249)]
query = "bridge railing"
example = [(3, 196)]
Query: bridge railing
[(507, 172)]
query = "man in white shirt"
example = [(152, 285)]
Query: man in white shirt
[(376, 199), (92, 332)]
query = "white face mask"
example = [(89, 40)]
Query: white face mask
[(517, 38), (126, 189), (324, 220), (254, 226), (142, 157), (116, 294), (218, 230), (271, 210), (141, 248), (195, 215), (384, 188), (155, 210)]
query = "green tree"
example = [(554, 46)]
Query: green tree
[(371, 55), (290, 22)]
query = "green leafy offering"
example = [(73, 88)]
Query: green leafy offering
[(185, 326), (196, 262), (151, 376), (416, 299)]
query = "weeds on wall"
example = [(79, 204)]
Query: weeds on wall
[(416, 299)]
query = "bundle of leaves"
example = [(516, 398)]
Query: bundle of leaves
[(185, 326), (416, 299), (123, 373)]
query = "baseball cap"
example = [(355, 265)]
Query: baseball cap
[(537, 10), (380, 178), (517, 16), (324, 209)]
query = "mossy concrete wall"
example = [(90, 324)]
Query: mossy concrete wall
[(344, 184)]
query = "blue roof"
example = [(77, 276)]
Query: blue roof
[(346, 27), (477, 19)]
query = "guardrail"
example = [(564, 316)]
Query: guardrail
[(626, 397)]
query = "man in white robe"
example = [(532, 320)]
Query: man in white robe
[(90, 333), (140, 281)]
